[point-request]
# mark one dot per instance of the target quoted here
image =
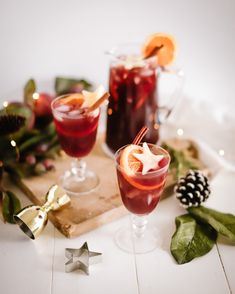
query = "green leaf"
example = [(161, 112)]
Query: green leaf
[(10, 206), (29, 89), (223, 223), (31, 142), (191, 239), (180, 163), (19, 169), (53, 151), (63, 85), (47, 135)]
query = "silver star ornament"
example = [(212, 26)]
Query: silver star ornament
[(80, 259)]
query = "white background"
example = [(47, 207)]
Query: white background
[(45, 38)]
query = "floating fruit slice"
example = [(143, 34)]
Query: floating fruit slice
[(128, 162), (75, 100), (162, 45), (131, 165)]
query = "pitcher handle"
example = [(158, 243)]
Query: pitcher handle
[(168, 103)]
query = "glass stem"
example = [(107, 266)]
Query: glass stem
[(139, 224), (78, 168)]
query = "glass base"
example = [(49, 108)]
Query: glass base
[(127, 240), (76, 186)]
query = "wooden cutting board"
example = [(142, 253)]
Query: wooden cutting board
[(86, 212)]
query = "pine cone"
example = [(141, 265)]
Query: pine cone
[(193, 189), (10, 123)]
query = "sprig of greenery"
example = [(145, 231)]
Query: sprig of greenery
[(29, 89), (180, 162), (10, 206), (62, 85)]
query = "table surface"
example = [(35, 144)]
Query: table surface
[(39, 265)]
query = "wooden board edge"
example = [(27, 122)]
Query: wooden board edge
[(72, 231)]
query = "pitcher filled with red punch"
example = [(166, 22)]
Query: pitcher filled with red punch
[(141, 90)]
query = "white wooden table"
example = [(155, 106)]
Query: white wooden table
[(37, 267)]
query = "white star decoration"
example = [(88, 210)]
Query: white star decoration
[(92, 97), (148, 159)]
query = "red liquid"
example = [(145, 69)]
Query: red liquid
[(132, 105), (77, 135), (141, 193)]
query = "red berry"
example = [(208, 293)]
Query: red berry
[(30, 159), (43, 147), (48, 164)]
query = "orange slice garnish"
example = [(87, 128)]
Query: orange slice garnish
[(130, 165), (162, 45), (128, 162), (73, 99), (92, 97)]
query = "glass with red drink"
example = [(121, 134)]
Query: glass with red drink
[(76, 129), (140, 194)]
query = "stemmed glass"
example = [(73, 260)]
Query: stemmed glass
[(76, 129), (140, 195)]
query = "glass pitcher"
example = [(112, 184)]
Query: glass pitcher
[(135, 86)]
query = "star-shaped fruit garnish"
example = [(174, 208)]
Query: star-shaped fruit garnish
[(149, 160), (91, 97)]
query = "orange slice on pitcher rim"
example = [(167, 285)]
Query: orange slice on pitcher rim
[(130, 165), (161, 45)]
